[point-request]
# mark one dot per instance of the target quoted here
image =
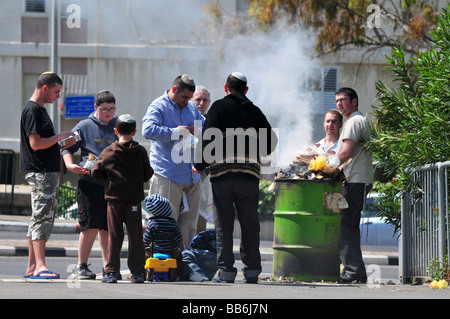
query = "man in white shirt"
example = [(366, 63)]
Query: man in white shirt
[(357, 165), (332, 124)]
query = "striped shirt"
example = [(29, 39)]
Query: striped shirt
[(162, 234)]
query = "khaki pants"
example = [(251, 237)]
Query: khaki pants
[(187, 221)]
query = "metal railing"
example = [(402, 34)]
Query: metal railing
[(7, 179), (425, 222), (67, 202)]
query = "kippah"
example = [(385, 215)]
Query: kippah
[(187, 80), (127, 118), (240, 76)]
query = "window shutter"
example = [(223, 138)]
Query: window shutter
[(35, 6), (329, 87)]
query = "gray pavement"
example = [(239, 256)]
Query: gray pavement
[(271, 295), (275, 294), (69, 248)]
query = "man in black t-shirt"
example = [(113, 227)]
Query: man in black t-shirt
[(40, 161)]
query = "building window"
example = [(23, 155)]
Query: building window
[(35, 6), (242, 6), (322, 83)]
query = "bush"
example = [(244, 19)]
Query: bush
[(412, 123), (266, 200)]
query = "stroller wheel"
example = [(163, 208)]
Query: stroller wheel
[(172, 275), (150, 275)]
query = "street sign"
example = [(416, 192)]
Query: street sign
[(79, 106)]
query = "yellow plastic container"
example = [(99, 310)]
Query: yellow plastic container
[(160, 265), (161, 269)]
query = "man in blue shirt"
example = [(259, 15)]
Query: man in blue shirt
[(172, 123)]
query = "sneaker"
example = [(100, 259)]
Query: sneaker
[(251, 276), (251, 280), (347, 279), (195, 276), (225, 276), (82, 272), (110, 278), (105, 275), (137, 279)]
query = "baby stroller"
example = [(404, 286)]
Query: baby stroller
[(162, 266)]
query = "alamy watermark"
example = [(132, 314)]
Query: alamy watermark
[(373, 276), (234, 145), (374, 20), (74, 19), (72, 282)]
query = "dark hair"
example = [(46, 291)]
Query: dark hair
[(125, 124), (48, 78), (183, 82), (104, 97), (349, 92), (339, 115), (236, 85)]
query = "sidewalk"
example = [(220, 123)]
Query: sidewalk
[(69, 248)]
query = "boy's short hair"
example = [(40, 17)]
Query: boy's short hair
[(48, 78), (104, 96), (126, 124)]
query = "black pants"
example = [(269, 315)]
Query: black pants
[(237, 195), (351, 256)]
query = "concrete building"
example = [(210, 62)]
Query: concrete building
[(136, 48)]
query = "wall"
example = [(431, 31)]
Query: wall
[(135, 49)]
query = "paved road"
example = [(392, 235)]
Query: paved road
[(266, 291), (189, 294)]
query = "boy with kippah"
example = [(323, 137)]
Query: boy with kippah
[(125, 167)]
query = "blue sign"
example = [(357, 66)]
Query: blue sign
[(79, 106)]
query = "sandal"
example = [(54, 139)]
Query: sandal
[(51, 275)]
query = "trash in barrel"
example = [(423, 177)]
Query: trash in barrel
[(307, 224)]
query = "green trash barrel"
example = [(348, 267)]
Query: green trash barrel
[(307, 228)]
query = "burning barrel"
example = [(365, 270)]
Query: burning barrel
[(307, 229)]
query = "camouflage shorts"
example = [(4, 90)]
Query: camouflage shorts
[(44, 201)]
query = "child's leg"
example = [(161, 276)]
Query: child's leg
[(115, 239), (136, 251)]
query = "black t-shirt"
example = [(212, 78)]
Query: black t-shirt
[(35, 119)]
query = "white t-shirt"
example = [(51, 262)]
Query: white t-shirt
[(322, 143), (358, 168)]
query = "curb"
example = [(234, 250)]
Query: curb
[(74, 228), (58, 228)]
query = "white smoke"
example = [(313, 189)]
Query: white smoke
[(277, 64)]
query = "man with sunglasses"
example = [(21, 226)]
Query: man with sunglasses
[(357, 165)]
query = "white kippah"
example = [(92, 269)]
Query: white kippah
[(240, 76), (186, 78), (127, 118)]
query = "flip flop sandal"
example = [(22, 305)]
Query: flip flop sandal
[(38, 275)]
